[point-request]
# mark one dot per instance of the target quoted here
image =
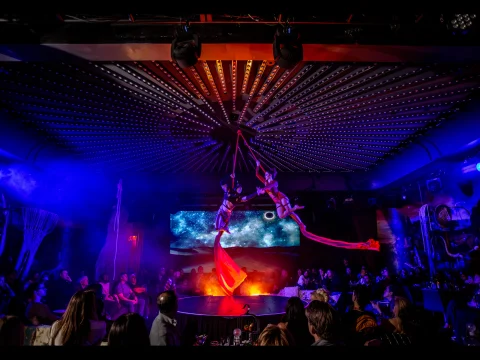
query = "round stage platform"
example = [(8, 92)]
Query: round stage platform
[(218, 316), (261, 305)]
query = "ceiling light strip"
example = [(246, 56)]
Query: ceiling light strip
[(234, 85), (322, 81), (277, 97), (104, 105), (210, 156), (256, 81), (270, 93), (221, 75), (400, 98), (199, 80), (183, 98), (304, 161), (269, 79), (179, 163), (189, 83), (320, 151), (369, 92), (206, 68), (97, 91), (203, 159), (312, 97), (246, 75)]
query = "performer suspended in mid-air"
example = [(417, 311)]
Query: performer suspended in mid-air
[(284, 209), (229, 274)]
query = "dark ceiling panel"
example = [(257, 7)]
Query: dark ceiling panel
[(155, 117)]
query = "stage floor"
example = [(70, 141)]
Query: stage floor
[(261, 305)]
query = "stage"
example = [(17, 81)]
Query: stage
[(218, 316)]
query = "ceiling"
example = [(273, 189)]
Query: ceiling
[(103, 88), (155, 117)]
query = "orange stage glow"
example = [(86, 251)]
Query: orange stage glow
[(211, 287)]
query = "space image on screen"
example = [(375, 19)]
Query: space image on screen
[(258, 229), (258, 240)]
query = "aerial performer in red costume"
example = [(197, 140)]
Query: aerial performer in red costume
[(229, 274), (284, 209)]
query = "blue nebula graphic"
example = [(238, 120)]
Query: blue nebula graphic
[(261, 229)]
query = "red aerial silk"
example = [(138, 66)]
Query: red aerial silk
[(229, 274), (371, 244)]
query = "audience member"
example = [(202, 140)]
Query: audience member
[(323, 322), (38, 313), (296, 322), (129, 330), (79, 324), (12, 331), (275, 335), (60, 291), (164, 330), (125, 294), (358, 324)]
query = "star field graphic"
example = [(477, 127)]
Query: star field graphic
[(260, 229)]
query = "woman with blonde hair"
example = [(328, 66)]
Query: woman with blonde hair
[(320, 294), (79, 324), (274, 335)]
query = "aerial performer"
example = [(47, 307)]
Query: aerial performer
[(229, 274), (284, 209)]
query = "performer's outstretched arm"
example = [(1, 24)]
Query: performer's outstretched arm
[(273, 184), (257, 173), (249, 197)]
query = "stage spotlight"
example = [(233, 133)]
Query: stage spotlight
[(478, 166), (186, 47), (287, 47)]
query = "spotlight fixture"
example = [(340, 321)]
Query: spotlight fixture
[(287, 47), (186, 47), (462, 21)]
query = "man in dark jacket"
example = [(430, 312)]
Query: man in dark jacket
[(164, 331)]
